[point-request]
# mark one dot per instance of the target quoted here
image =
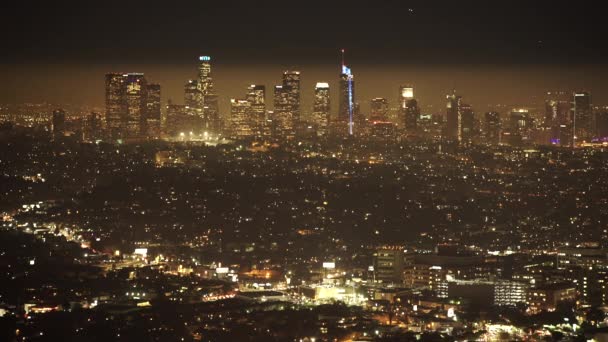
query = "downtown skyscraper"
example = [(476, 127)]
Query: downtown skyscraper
[(153, 111), (379, 109), (408, 108), (256, 96), (135, 98), (131, 105), (582, 118), (242, 125), (346, 104), (210, 111), (321, 108), (558, 119), (283, 117), (116, 115), (291, 84), (454, 117)]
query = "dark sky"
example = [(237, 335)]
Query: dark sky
[(68, 46)]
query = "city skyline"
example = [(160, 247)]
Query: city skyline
[(303, 171)]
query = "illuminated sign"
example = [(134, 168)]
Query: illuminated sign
[(141, 251), (221, 270), (329, 265), (204, 58)]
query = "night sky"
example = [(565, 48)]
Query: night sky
[(492, 52)]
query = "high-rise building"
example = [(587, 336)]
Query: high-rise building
[(193, 98), (601, 125), (58, 123), (283, 119), (153, 111), (211, 116), (582, 121), (406, 93), (557, 117), (93, 127), (454, 117), (346, 108), (132, 106), (256, 95), (492, 128), (116, 115), (379, 109), (321, 108), (135, 98), (468, 122), (412, 113), (241, 119), (291, 80)]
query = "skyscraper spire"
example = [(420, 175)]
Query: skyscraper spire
[(343, 64)]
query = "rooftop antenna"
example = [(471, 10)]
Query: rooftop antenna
[(343, 57)]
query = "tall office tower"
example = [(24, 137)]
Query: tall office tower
[(211, 112), (93, 126), (520, 126), (582, 119), (379, 109), (116, 114), (406, 93), (177, 120), (153, 111), (412, 113), (454, 117), (256, 95), (241, 119), (291, 80), (58, 123), (492, 128), (346, 108), (468, 122), (557, 116), (321, 108), (283, 112), (193, 98), (601, 124), (135, 99)]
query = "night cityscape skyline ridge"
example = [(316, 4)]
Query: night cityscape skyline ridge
[(303, 171)]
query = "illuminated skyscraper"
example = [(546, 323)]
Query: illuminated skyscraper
[(153, 111), (412, 113), (116, 115), (58, 123), (256, 95), (291, 80), (211, 110), (406, 93), (135, 98), (321, 108), (241, 119), (520, 126), (558, 118), (492, 128), (283, 112), (379, 109), (347, 97), (454, 117), (582, 117), (193, 98)]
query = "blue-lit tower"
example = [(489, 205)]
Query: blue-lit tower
[(347, 96)]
